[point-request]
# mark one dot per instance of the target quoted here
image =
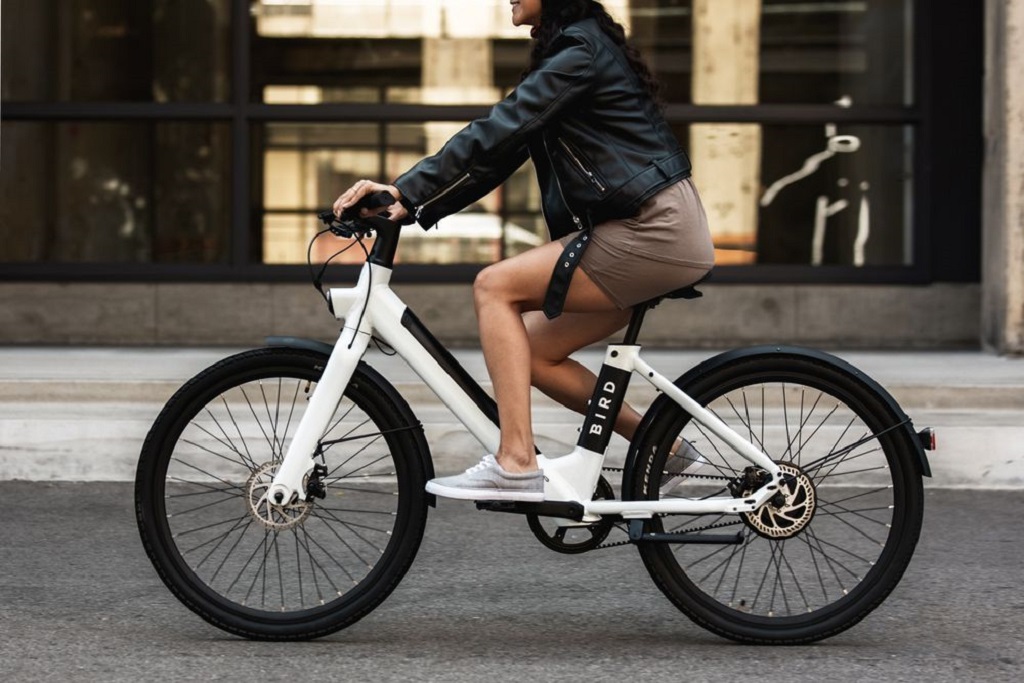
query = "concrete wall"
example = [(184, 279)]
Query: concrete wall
[(1003, 231), (894, 317)]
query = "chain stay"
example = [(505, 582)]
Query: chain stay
[(706, 527)]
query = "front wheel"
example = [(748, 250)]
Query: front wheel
[(824, 552), (282, 572)]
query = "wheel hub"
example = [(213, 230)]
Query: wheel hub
[(790, 510), (267, 513)]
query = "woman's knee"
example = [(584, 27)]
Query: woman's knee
[(490, 284)]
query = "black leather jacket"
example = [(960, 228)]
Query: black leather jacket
[(597, 140)]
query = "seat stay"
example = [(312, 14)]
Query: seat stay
[(707, 418)]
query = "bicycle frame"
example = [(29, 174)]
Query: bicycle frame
[(372, 308)]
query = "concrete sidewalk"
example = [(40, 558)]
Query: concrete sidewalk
[(81, 414)]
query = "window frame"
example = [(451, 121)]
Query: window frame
[(940, 205)]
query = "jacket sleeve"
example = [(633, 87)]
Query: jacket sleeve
[(483, 154)]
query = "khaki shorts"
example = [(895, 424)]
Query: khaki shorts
[(666, 246)]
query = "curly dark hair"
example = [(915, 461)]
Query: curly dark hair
[(557, 14)]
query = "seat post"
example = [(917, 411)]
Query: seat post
[(635, 322)]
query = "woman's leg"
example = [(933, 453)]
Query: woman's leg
[(561, 377), (503, 292)]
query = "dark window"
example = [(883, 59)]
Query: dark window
[(116, 50), (87, 192)]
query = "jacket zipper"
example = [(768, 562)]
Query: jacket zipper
[(440, 195), (580, 165), (558, 184)]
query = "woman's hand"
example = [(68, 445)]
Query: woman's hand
[(395, 212)]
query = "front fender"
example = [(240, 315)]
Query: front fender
[(301, 343)]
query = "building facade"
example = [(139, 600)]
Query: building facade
[(161, 162)]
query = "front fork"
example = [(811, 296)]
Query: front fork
[(288, 484)]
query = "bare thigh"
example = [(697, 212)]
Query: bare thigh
[(522, 281), (555, 340)]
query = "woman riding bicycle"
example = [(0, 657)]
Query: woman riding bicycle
[(617, 196)]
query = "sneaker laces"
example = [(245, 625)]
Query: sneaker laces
[(484, 464)]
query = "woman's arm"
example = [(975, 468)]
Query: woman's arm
[(483, 154)]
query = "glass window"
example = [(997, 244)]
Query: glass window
[(778, 51), (836, 195), (402, 51), (467, 52), (811, 195), (806, 195), (306, 167), (116, 50), (115, 192)]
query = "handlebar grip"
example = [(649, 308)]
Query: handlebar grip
[(351, 223), (375, 200)]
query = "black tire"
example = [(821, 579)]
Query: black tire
[(840, 544), (263, 571)]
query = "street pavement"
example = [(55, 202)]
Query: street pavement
[(484, 601)]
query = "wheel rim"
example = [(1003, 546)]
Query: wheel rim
[(277, 562), (815, 550)]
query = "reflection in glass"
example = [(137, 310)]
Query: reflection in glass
[(822, 195), (116, 50), (115, 192), (398, 51), (836, 195), (306, 167), (464, 51), (810, 52)]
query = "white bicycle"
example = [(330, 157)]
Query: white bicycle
[(276, 511)]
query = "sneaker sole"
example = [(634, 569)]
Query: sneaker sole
[(484, 494)]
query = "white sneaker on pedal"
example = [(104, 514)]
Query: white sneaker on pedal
[(487, 480), (684, 461)]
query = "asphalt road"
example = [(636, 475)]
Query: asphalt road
[(484, 600)]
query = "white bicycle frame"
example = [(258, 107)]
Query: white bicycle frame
[(377, 311)]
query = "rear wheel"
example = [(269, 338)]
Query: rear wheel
[(299, 570), (824, 552)]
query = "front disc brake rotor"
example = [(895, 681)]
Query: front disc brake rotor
[(266, 513)]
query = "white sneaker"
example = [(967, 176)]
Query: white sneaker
[(488, 481), (684, 461)]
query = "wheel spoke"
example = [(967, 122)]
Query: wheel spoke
[(284, 561), (802, 554)]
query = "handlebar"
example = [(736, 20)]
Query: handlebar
[(352, 223)]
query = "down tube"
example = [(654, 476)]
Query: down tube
[(403, 332)]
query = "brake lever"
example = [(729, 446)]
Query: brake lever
[(342, 228)]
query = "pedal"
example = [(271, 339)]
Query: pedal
[(564, 509)]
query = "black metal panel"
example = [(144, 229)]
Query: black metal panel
[(605, 404), (450, 365), (241, 21), (953, 64)]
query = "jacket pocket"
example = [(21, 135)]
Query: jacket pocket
[(580, 163)]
